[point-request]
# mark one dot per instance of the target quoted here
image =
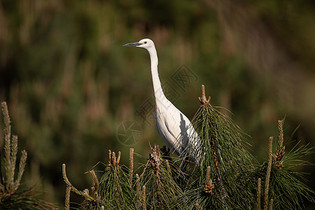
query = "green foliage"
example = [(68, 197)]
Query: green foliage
[(226, 178), (115, 189), (24, 200), (226, 155), (11, 196), (286, 185), (162, 190)]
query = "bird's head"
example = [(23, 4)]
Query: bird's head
[(143, 43)]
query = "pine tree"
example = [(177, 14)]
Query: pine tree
[(228, 177)]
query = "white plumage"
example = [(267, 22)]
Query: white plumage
[(173, 126)]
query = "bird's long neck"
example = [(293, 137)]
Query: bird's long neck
[(157, 88)]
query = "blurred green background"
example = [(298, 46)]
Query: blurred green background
[(74, 92)]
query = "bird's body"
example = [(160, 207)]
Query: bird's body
[(177, 131), (173, 126)]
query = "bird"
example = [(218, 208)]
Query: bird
[(173, 126)]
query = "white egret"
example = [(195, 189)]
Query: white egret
[(173, 126)]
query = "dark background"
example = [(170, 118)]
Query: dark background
[(74, 92)]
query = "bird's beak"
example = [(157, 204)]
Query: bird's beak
[(133, 44)]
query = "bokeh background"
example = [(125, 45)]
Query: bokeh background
[(74, 92)]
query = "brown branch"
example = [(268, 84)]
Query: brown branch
[(155, 159), (110, 157), (7, 145), (95, 186), (268, 174), (131, 166), (280, 128), (118, 158), (144, 206), (14, 150), (203, 99), (208, 174), (271, 204), (73, 189), (197, 206), (67, 197), (259, 194), (138, 189), (21, 169)]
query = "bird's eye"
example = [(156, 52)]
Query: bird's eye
[(145, 42)]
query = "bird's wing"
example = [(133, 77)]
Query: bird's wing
[(166, 126), (177, 124), (177, 131), (184, 135)]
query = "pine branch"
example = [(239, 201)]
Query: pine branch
[(268, 174), (21, 169), (270, 204), (144, 206), (67, 197), (138, 191), (7, 146), (13, 159), (73, 189), (131, 166), (280, 128), (259, 194)]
